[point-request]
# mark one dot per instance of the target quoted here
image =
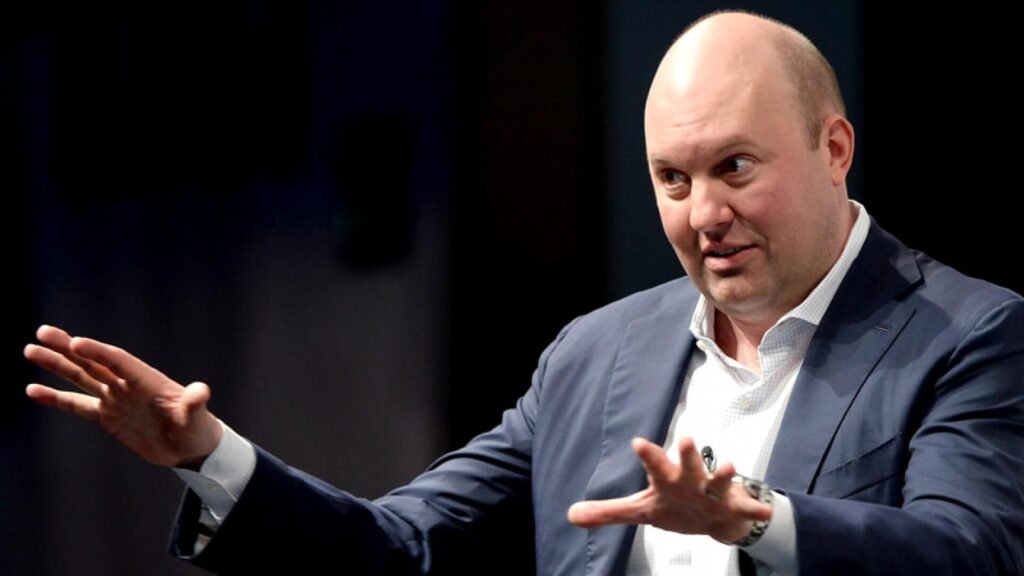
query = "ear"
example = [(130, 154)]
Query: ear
[(839, 140)]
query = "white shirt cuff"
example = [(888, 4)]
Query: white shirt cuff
[(224, 475), (777, 547)]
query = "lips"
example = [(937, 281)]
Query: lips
[(723, 252), (727, 260)]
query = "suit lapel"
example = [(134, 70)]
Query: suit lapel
[(862, 322), (864, 319), (642, 395)]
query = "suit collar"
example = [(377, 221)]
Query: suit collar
[(865, 317)]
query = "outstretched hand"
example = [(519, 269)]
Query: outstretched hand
[(155, 417), (680, 497)]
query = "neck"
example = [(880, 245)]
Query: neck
[(738, 336), (739, 340)]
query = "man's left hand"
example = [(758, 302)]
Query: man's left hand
[(683, 498)]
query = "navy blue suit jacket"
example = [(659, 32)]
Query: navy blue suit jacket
[(902, 447)]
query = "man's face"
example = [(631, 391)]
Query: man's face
[(750, 207)]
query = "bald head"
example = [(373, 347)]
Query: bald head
[(748, 153), (751, 46)]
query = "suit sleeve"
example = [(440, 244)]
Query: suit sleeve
[(468, 506), (962, 509)]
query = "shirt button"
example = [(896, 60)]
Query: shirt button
[(746, 403), (702, 345)]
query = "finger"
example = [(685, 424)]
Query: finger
[(747, 506), (660, 469), (60, 365), (80, 405), (116, 361), (595, 513), (692, 464), (60, 341), (195, 397), (53, 337), (720, 482)]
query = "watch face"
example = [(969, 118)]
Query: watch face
[(753, 487)]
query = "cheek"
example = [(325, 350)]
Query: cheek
[(675, 220), (765, 213)]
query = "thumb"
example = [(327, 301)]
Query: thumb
[(204, 430), (585, 514), (195, 397)]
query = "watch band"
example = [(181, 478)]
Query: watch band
[(763, 493)]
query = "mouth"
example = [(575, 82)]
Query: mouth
[(726, 252), (727, 260)]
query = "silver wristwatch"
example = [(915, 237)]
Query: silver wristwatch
[(763, 493)]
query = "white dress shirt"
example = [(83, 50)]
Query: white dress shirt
[(724, 405), (737, 412)]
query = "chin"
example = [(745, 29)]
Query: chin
[(735, 302), (731, 292)]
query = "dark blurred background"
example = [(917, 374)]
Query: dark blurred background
[(361, 222)]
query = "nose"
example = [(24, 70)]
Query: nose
[(709, 207)]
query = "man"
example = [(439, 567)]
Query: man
[(878, 392)]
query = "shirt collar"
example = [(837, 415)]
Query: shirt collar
[(813, 308)]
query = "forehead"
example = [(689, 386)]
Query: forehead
[(721, 82), (708, 117)]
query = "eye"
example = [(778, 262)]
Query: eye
[(674, 179), (736, 165)]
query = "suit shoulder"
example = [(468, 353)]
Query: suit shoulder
[(677, 297), (960, 295), (945, 295)]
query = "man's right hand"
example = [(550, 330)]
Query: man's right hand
[(160, 420)]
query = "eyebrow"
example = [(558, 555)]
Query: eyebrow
[(718, 148)]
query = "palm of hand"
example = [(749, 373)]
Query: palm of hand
[(155, 417)]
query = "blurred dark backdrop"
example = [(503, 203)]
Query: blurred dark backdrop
[(361, 222)]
